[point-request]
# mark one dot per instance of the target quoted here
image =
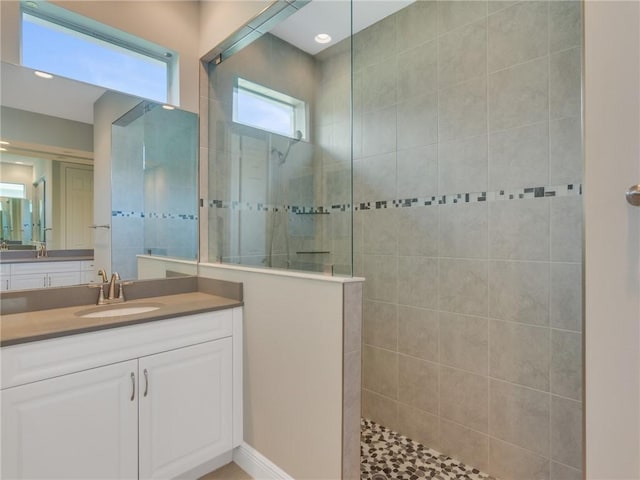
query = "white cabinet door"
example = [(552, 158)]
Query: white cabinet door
[(185, 408), (78, 426), (62, 279), (29, 281)]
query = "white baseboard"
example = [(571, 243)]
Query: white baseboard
[(257, 465)]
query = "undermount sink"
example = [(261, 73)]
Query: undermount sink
[(118, 310)]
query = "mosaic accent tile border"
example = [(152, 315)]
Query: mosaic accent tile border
[(571, 189), (169, 216), (383, 451), (568, 190)]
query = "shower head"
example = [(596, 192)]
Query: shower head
[(282, 157)]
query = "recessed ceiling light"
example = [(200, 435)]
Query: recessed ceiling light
[(322, 38), (2, 149), (4, 142), (168, 107), (43, 74)]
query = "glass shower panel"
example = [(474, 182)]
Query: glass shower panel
[(154, 186), (280, 154)]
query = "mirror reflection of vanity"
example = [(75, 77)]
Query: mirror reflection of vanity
[(51, 180)]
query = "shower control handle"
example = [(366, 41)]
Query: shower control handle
[(633, 195)]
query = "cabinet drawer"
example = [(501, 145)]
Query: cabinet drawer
[(5, 269), (87, 265), (44, 267), (35, 361)]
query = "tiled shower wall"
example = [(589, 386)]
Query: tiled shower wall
[(472, 313)]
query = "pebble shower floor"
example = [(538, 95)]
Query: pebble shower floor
[(383, 451)]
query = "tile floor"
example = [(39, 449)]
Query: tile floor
[(398, 457), (228, 472), (386, 454)]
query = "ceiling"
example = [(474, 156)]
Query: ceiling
[(333, 17), (58, 97)]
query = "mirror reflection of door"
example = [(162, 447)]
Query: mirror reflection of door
[(77, 206)]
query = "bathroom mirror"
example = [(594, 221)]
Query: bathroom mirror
[(47, 130), (47, 158)]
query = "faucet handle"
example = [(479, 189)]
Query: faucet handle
[(103, 274), (121, 291), (101, 300)]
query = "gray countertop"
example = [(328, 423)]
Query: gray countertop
[(32, 315)]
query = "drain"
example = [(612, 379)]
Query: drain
[(379, 476)]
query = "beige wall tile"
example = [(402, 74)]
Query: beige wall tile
[(463, 286), (380, 372), (519, 353), (418, 384), (418, 71), (566, 229), (380, 409), (381, 273), (454, 13), (519, 291), (519, 95), (563, 472), (509, 462), (565, 24), (520, 416), (464, 342), (464, 444), (462, 110), (464, 398), (518, 34), (380, 324), (565, 309), (566, 431), (417, 171), (566, 364), (463, 230), (565, 93), (417, 121), (519, 230), (417, 286), (566, 163), (418, 24), (418, 331), (519, 157), (419, 426), (418, 231), (462, 54), (463, 165)]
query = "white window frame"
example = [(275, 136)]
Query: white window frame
[(297, 107), (59, 17)]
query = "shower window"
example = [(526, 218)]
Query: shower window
[(12, 190), (260, 107)]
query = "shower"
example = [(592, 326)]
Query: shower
[(276, 220), (282, 157)]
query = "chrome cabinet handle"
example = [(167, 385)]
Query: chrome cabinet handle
[(133, 386), (633, 195), (146, 382), (100, 226)]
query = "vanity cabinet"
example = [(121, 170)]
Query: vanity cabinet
[(5, 277), (44, 274), (171, 410), (82, 425)]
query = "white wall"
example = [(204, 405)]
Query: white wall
[(219, 19), (612, 235), (293, 350)]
